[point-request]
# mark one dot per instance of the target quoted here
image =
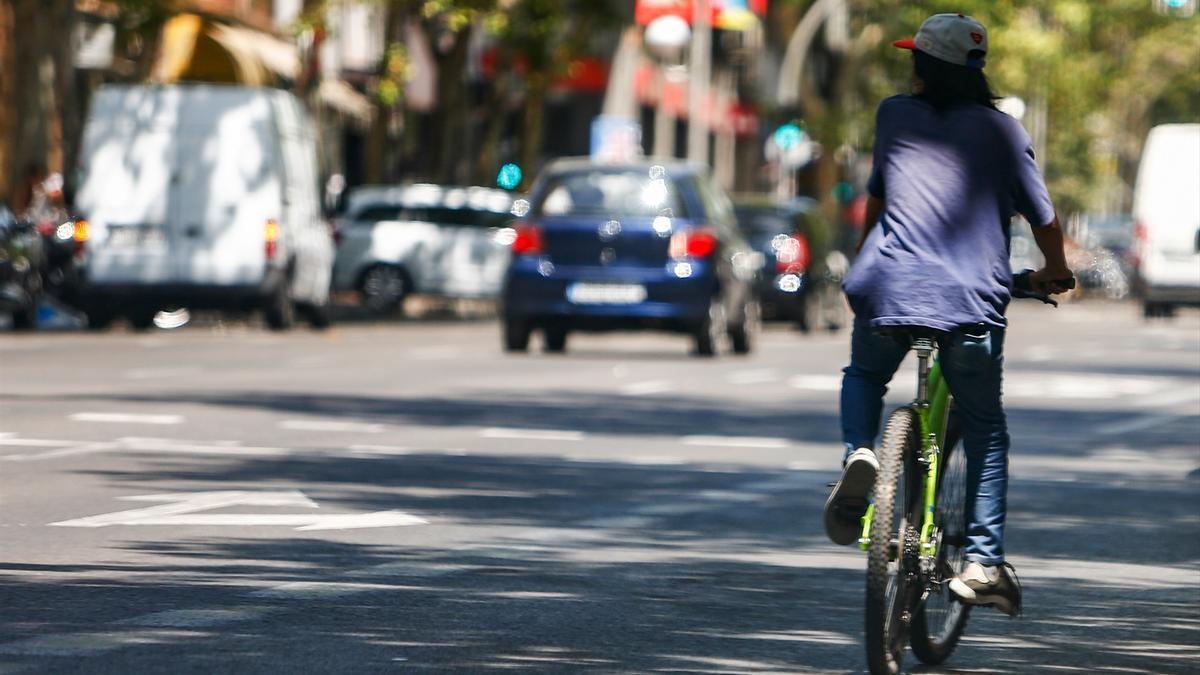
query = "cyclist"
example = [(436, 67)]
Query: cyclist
[(949, 173)]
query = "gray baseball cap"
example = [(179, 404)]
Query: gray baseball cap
[(950, 38)]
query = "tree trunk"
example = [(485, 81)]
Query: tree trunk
[(8, 99), (534, 119), (453, 110)]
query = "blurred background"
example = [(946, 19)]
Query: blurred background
[(776, 96)]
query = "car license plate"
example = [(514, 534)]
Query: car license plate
[(606, 294), (136, 235)]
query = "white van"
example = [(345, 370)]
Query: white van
[(1166, 210), (201, 196)]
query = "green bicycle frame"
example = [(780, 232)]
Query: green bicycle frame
[(932, 415)]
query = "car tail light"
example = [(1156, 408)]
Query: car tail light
[(271, 238), (699, 243), (82, 232), (791, 254), (1141, 241), (528, 240)]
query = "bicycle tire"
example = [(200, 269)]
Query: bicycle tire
[(940, 621), (890, 594)]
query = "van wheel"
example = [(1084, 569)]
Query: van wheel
[(383, 288), (319, 317), (280, 312), (142, 318), (98, 318)]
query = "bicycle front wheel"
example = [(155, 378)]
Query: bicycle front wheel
[(941, 619), (893, 554)]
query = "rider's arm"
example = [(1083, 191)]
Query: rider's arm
[(874, 210), (1049, 240)]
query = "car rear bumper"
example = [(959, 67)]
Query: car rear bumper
[(190, 295), (670, 301), (1176, 295)]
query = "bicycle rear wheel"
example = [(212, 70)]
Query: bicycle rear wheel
[(893, 553), (941, 619)]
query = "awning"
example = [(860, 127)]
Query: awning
[(340, 96), (194, 49)]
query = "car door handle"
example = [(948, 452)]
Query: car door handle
[(193, 231)]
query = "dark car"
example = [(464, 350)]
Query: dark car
[(22, 258), (790, 237), (629, 246)]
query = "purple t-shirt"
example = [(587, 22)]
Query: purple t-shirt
[(951, 183)]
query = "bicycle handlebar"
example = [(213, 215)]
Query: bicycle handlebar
[(1022, 287)]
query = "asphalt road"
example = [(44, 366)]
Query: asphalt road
[(403, 497)]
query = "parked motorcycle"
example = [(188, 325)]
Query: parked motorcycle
[(22, 263)]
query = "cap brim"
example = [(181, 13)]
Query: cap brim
[(905, 44)]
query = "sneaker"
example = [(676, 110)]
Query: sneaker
[(995, 585), (848, 502)]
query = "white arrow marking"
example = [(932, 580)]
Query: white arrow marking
[(126, 418), (182, 509), (331, 425)]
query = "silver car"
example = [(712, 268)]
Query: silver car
[(433, 240)]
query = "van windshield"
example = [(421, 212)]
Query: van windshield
[(438, 215)]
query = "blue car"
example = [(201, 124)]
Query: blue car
[(645, 245)]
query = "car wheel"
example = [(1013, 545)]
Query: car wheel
[(745, 333), (279, 311), (712, 330), (516, 334), (555, 339), (383, 289)]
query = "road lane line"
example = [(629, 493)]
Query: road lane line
[(816, 382), (84, 449), (753, 376), (532, 434), (125, 418), (13, 439), (380, 450), (647, 388), (320, 590), (196, 618), (736, 441), (154, 373), (332, 426), (1138, 423)]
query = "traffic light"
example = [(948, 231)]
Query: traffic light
[(788, 136)]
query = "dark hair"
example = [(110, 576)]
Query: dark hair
[(947, 84)]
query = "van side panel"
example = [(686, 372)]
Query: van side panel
[(229, 186), (1167, 209)]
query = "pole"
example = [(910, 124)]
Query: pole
[(699, 68)]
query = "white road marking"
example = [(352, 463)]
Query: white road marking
[(753, 376), (532, 434), (816, 382), (1045, 386), (126, 418), (153, 373), (656, 460), (195, 618), (1138, 423), (182, 509), (736, 441), (380, 450), (151, 445), (318, 590), (434, 352), (86, 644), (647, 388), (13, 439), (332, 426)]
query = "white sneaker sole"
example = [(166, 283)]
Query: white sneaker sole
[(969, 596), (856, 483)]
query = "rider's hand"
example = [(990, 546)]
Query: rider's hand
[(1044, 280)]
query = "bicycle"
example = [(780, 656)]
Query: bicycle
[(914, 530)]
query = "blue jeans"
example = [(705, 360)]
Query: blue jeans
[(972, 363)]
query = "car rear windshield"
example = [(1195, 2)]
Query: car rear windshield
[(439, 215), (610, 192), (764, 222)]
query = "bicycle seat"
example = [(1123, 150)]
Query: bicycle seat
[(908, 334)]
